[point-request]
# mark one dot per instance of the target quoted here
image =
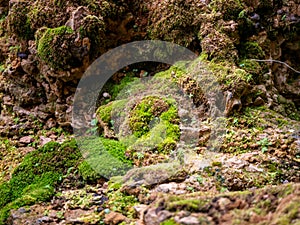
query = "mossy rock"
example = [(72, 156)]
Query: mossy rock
[(35, 178), (93, 27), (175, 21), (47, 13), (19, 22), (54, 47), (251, 50), (144, 112), (229, 9)]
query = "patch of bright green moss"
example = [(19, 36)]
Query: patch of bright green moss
[(155, 122), (105, 156), (88, 173), (35, 178), (105, 112), (146, 110), (169, 222)]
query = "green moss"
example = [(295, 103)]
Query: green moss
[(106, 112), (115, 183), (251, 67), (193, 205), (148, 109), (93, 27), (49, 47), (155, 122), (35, 178), (114, 88), (169, 222), (105, 156), (226, 72), (251, 50), (119, 201), (230, 9), (88, 173)]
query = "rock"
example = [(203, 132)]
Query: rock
[(190, 220), (44, 140), (113, 218), (155, 216), (26, 140), (167, 187), (223, 203), (258, 101), (140, 210), (155, 174)]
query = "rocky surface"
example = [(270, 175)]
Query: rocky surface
[(174, 169)]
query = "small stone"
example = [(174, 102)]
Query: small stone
[(22, 210), (167, 187), (26, 140), (259, 101), (106, 95), (140, 209), (106, 211), (223, 203), (190, 220), (43, 219), (44, 140), (114, 218), (163, 215)]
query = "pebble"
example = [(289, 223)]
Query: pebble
[(190, 220), (106, 211)]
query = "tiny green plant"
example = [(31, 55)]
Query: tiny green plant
[(264, 143)]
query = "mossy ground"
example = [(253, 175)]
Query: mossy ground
[(35, 178)]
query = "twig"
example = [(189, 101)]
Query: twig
[(276, 61)]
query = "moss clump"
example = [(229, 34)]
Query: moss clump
[(35, 178), (252, 67), (144, 112), (193, 205), (93, 27), (104, 112), (49, 47), (175, 21), (88, 173), (251, 50), (105, 156), (169, 222)]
